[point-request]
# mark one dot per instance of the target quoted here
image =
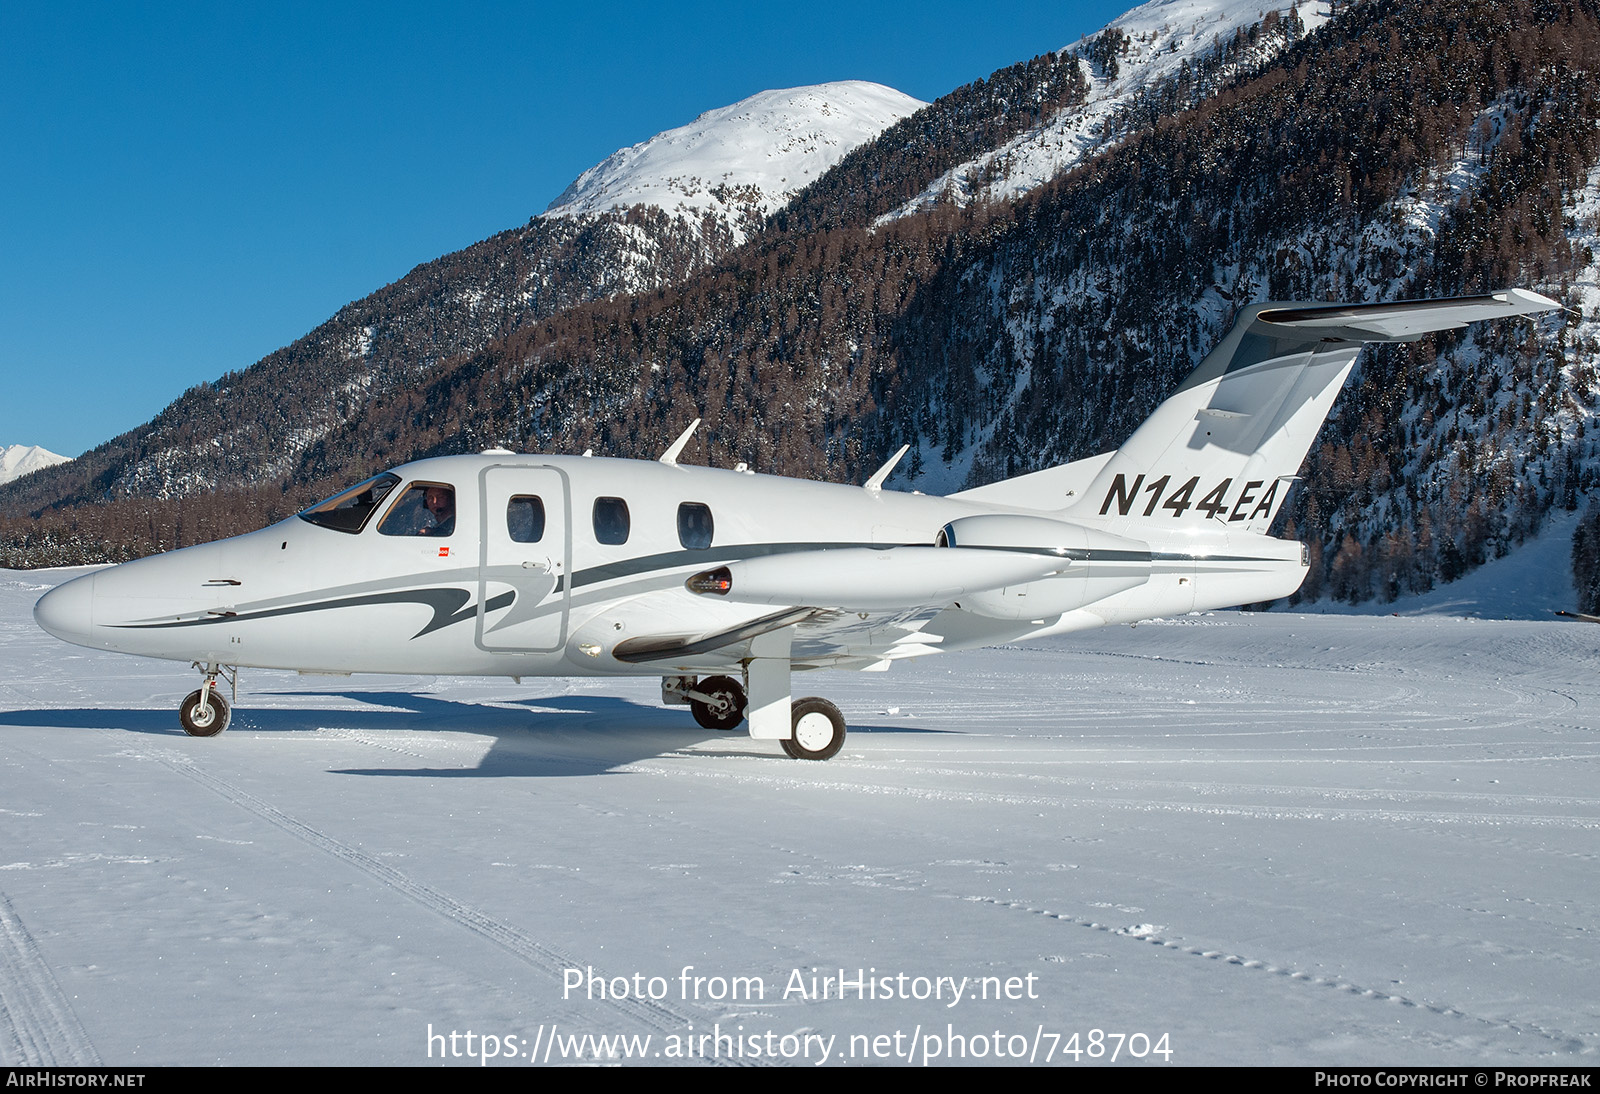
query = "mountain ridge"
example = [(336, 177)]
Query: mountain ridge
[(1404, 147)]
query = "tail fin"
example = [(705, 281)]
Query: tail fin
[(1226, 445)]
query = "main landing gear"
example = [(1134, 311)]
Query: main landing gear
[(205, 713), (815, 729), (818, 730), (718, 702)]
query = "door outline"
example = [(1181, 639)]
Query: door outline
[(496, 549)]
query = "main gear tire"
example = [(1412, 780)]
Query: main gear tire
[(818, 730), (725, 710)]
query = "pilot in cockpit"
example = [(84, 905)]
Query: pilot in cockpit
[(441, 502), (427, 509)]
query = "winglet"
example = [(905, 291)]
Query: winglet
[(670, 456), (875, 483)]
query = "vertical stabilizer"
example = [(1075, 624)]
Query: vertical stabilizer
[(1223, 449)]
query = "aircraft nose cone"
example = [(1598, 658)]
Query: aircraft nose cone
[(65, 610)]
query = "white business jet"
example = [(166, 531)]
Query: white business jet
[(724, 582)]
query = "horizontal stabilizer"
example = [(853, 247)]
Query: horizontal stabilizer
[(1406, 319)]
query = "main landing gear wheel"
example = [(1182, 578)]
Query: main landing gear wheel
[(818, 730), (204, 723), (725, 710)]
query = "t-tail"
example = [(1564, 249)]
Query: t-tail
[(1176, 519), (1224, 449)]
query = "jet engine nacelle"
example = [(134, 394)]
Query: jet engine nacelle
[(1098, 564), (874, 579)]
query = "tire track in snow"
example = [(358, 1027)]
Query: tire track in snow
[(911, 880), (37, 1023), (1138, 805), (373, 741), (1149, 934), (544, 958), (914, 879), (1521, 695)]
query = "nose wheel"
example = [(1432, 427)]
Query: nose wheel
[(204, 712), (204, 719)]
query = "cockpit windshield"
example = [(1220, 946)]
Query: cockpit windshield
[(349, 511)]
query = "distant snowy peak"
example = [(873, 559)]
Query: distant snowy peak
[(742, 162), (1158, 40), (19, 460)]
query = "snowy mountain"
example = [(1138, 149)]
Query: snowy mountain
[(1388, 155), (19, 460), (1110, 207), (741, 163), (1164, 54)]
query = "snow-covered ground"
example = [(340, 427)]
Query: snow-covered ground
[(1533, 582), (1275, 838)]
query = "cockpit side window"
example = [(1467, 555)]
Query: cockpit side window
[(525, 518), (695, 526), (611, 521), (425, 509), (350, 510)]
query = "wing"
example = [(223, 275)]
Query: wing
[(853, 606), (993, 577)]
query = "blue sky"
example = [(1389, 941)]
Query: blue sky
[(187, 187)]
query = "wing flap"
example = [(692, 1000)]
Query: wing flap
[(639, 651)]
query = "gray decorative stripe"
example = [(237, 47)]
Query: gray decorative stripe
[(449, 607), (1072, 554), (1176, 557), (669, 560)]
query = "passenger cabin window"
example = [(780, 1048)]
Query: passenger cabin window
[(611, 522), (349, 511), (694, 525), (425, 509), (525, 518)]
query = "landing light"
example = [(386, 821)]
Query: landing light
[(718, 581)]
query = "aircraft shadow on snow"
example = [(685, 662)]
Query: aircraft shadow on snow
[(554, 736)]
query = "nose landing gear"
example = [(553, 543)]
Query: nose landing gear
[(816, 728), (205, 713)]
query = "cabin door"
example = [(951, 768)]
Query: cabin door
[(525, 527)]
